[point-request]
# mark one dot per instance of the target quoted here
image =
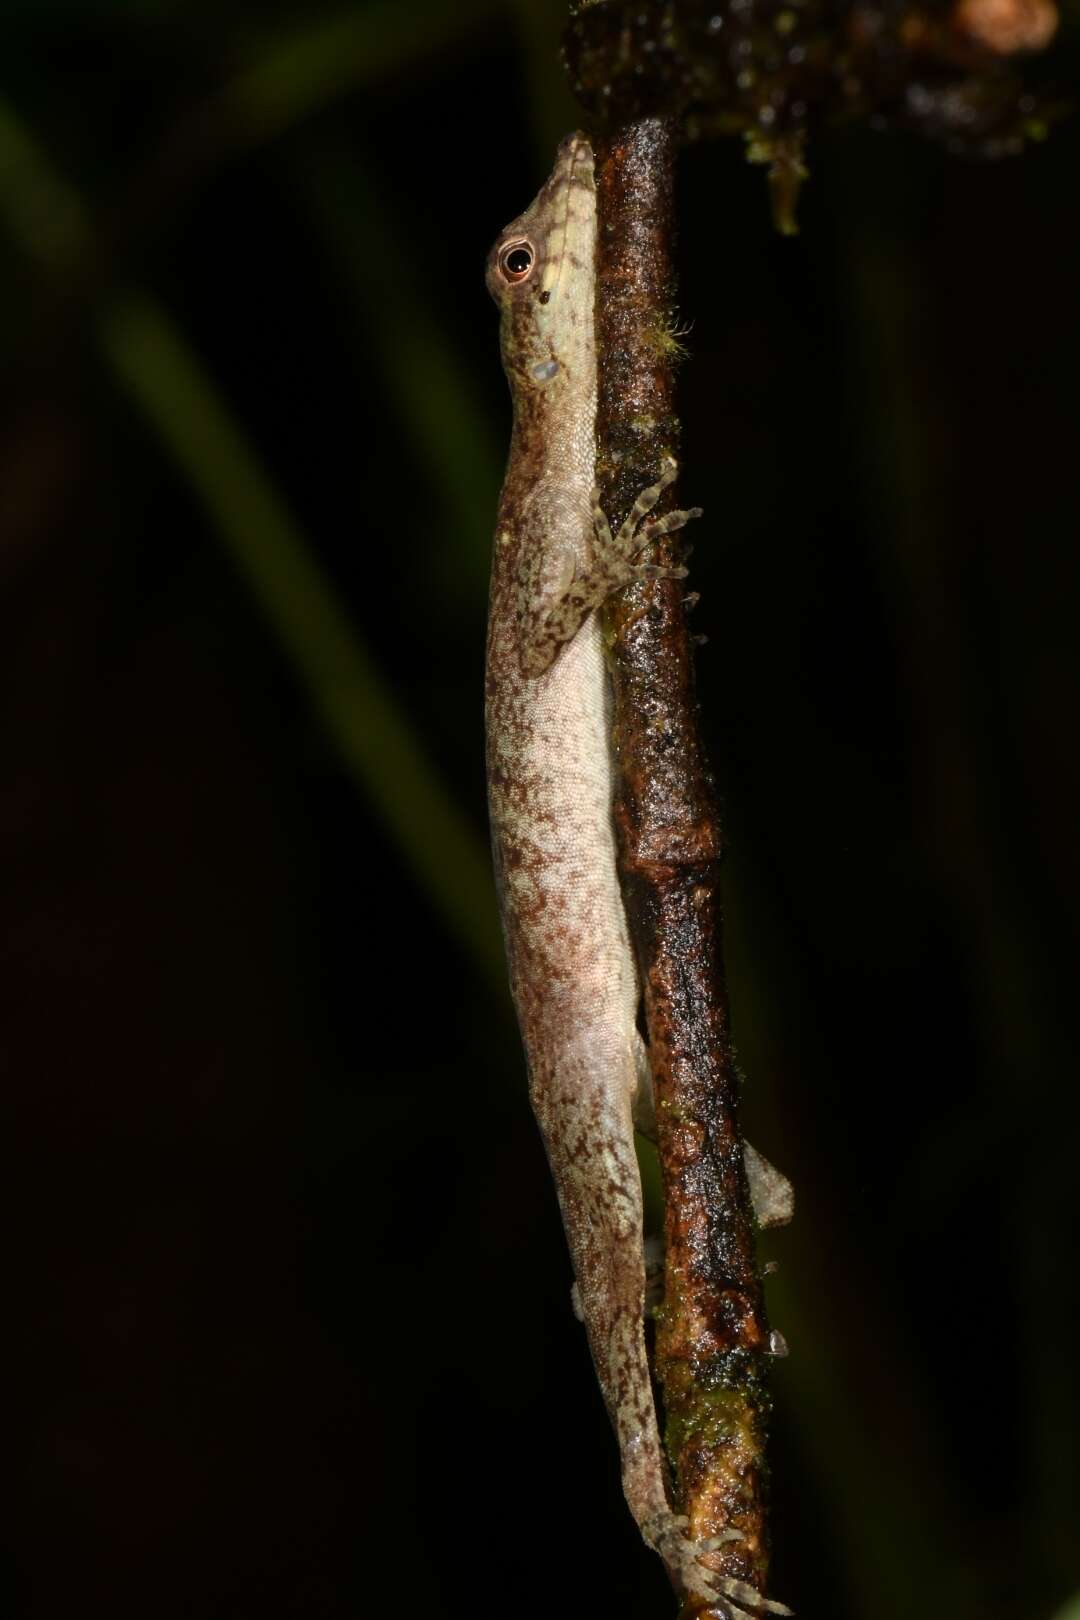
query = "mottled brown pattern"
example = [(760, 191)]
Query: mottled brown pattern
[(550, 792)]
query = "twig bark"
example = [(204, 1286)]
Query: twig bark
[(712, 1331)]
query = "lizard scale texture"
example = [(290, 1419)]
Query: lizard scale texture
[(550, 776)]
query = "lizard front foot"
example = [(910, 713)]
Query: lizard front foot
[(622, 548), (718, 1595)]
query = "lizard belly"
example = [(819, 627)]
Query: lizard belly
[(575, 989), (572, 972)]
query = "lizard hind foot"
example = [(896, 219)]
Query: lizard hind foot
[(717, 1596)]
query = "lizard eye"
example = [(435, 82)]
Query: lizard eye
[(516, 260)]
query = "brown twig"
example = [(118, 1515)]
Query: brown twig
[(767, 74), (712, 1333)]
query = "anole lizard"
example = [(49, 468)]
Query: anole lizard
[(550, 780)]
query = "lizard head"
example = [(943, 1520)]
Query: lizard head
[(541, 272)]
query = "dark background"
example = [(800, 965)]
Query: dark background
[(288, 1301)]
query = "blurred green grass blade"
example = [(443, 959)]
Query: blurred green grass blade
[(43, 213), (157, 369), (1071, 1611), (300, 72), (162, 375)]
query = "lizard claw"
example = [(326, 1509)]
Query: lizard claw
[(748, 1597)]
